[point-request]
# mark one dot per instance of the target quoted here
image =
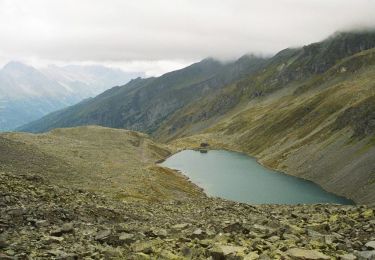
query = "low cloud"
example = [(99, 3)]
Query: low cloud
[(164, 32)]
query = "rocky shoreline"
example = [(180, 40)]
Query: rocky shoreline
[(42, 220)]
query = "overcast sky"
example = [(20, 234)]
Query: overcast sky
[(156, 36)]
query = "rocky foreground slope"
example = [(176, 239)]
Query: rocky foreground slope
[(42, 220), (49, 211)]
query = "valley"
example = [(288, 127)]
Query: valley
[(86, 182)]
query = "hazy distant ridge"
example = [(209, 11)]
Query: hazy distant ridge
[(27, 93)]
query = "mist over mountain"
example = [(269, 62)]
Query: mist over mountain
[(27, 93)]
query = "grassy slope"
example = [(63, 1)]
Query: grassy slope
[(321, 129), (119, 163)]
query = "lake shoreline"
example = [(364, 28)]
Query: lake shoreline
[(215, 143), (343, 200)]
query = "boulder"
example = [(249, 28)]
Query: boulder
[(64, 229), (198, 233), (180, 226), (274, 239), (160, 232), (67, 227), (102, 235), (234, 227), (126, 238), (251, 256), (3, 243), (366, 255), (53, 239), (145, 246), (370, 244)]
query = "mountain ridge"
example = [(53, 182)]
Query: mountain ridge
[(167, 94), (27, 93)]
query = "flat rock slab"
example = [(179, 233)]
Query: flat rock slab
[(348, 257), (299, 253)]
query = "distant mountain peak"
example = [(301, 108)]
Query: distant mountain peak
[(28, 93), (17, 66)]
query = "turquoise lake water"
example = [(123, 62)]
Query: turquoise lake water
[(238, 177)]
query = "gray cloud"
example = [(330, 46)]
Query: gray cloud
[(155, 32)]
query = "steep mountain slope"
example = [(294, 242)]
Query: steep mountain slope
[(322, 129), (144, 103), (289, 69), (318, 124), (27, 94)]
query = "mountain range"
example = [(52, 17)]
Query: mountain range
[(307, 111), (27, 93)]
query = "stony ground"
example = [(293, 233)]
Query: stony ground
[(54, 204), (39, 219)]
